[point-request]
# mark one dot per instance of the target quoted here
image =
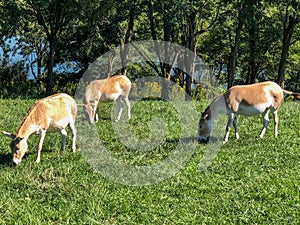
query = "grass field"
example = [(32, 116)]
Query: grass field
[(250, 181)]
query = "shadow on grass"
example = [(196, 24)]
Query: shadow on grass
[(104, 118), (5, 160), (185, 140)]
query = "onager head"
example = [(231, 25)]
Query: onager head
[(18, 147), (204, 129), (89, 111)]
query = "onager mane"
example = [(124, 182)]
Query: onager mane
[(31, 110), (25, 118), (249, 100)]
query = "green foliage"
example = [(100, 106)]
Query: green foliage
[(293, 71), (204, 92), (251, 181), (81, 31)]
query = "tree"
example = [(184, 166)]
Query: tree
[(200, 17), (125, 33), (247, 40), (253, 29), (58, 32), (163, 70), (89, 35), (53, 16), (291, 19), (235, 43)]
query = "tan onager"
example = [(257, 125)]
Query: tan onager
[(50, 114), (115, 88), (249, 100)]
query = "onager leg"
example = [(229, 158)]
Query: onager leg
[(128, 107), (95, 105), (40, 145), (96, 116), (265, 117), (119, 101), (276, 120), (74, 135), (229, 123), (235, 125), (63, 139)]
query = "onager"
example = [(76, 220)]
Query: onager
[(115, 88), (50, 114), (249, 100)]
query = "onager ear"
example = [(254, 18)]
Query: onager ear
[(12, 136)]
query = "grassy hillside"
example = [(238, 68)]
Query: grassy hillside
[(249, 181)]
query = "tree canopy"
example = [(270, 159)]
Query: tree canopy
[(245, 41)]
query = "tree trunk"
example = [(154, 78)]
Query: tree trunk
[(127, 38), (191, 45), (49, 85), (164, 69), (287, 36), (180, 71), (252, 67), (165, 86), (234, 53)]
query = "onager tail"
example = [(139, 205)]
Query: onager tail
[(294, 94)]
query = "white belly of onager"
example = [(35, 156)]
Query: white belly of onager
[(252, 110), (56, 126), (109, 97)]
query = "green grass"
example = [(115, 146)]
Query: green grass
[(250, 181)]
